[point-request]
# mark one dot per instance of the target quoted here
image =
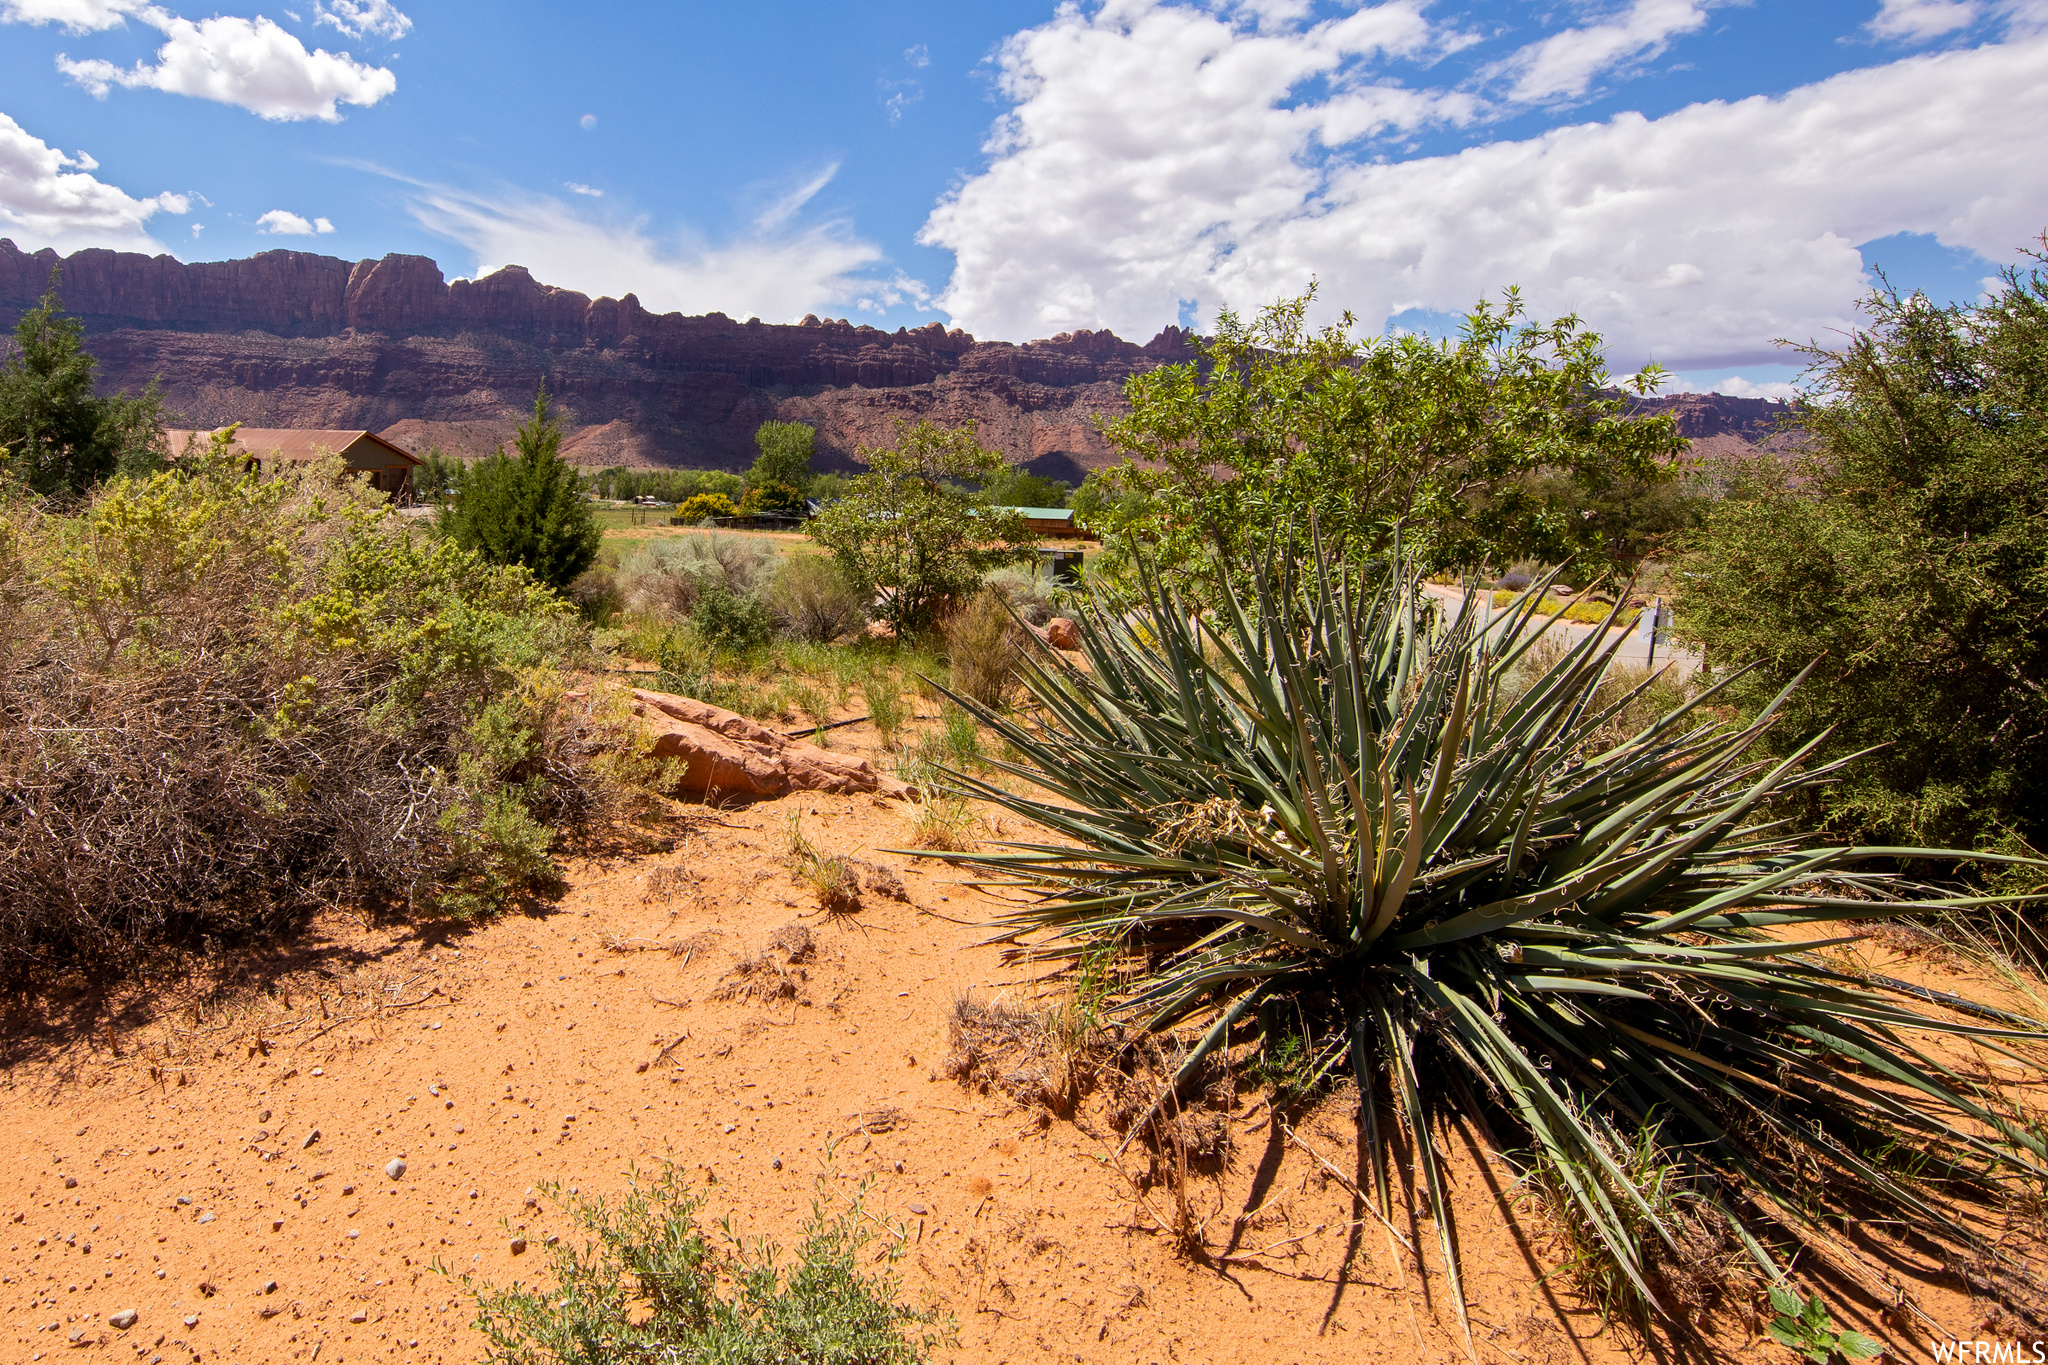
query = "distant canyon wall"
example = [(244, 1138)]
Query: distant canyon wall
[(292, 339)]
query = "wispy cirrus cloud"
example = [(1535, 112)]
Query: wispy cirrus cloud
[(779, 267), (363, 18), (1565, 64)]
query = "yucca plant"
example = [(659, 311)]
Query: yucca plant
[(1329, 791)]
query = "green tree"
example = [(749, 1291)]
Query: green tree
[(780, 498), (785, 458), (908, 531), (1376, 439), (1907, 553), (59, 435), (526, 508), (1019, 488), (438, 478)]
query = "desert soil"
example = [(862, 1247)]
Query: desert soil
[(212, 1152)]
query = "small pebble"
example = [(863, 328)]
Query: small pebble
[(731, 1127), (277, 1225), (919, 1209), (263, 1117), (776, 1164), (395, 1167), (191, 1319), (359, 1316), (354, 1233), (184, 1199), (318, 1072), (206, 1217), (311, 1138), (447, 1104), (518, 1246), (124, 1319), (270, 1286), (348, 1189)]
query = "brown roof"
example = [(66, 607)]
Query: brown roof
[(292, 444)]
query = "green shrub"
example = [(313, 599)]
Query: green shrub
[(650, 1285), (1905, 560), (703, 507), (813, 600), (1452, 868), (233, 697), (730, 620)]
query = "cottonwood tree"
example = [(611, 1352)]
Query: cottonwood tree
[(526, 508), (1276, 425), (58, 434), (785, 458), (908, 532)]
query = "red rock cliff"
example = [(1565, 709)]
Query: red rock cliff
[(287, 338)]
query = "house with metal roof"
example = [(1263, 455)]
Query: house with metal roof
[(1048, 521), (387, 465)]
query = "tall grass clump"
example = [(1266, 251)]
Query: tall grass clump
[(984, 645), (813, 601), (884, 698), (227, 698), (649, 1284), (1325, 794)]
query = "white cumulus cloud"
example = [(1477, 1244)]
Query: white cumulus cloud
[(50, 199), (1736, 386), (1157, 162), (250, 63), (284, 223), (574, 188), (778, 269), (363, 18), (79, 16), (1565, 64)]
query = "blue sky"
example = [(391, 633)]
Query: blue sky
[(1694, 177)]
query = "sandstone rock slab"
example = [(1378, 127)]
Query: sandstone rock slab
[(725, 754)]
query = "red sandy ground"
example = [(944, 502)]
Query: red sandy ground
[(544, 1042)]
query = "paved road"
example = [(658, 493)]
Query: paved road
[(1634, 649)]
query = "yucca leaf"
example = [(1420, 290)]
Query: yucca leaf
[(1434, 845)]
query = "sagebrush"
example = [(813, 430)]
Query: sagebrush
[(228, 697)]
